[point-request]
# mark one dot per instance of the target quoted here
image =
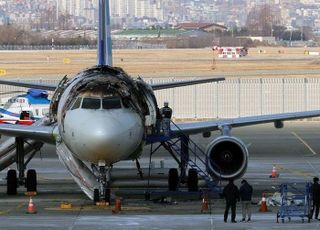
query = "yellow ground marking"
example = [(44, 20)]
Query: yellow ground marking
[(66, 61), (95, 208), (305, 143), (3, 72)]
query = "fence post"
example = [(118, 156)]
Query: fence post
[(283, 95), (217, 99), (239, 95), (305, 81), (195, 100), (261, 100)]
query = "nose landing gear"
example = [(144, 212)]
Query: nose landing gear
[(103, 193)]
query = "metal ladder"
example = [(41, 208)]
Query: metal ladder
[(197, 158)]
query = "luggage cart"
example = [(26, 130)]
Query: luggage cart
[(295, 201)]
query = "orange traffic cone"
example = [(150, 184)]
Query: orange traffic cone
[(263, 207), (204, 204), (117, 206), (31, 207), (274, 173)]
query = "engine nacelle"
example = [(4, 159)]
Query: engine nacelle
[(227, 158)]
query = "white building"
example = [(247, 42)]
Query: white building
[(149, 8), (136, 8)]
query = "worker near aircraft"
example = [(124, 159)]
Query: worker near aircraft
[(246, 196), (315, 191), (231, 195), (166, 114)]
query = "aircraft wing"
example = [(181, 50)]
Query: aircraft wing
[(207, 126), (154, 86), (29, 85), (184, 83), (40, 133)]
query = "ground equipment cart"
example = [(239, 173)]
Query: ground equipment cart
[(295, 201)]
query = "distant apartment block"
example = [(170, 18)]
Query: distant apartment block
[(137, 8)]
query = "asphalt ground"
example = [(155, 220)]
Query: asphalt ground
[(294, 150)]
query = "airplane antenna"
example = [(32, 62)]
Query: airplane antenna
[(104, 37)]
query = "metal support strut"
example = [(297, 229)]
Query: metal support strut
[(20, 160), (104, 182), (184, 157)]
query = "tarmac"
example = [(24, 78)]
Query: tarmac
[(294, 150)]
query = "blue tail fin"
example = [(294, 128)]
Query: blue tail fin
[(104, 38)]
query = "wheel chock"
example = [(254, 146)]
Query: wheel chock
[(30, 193), (65, 205), (102, 203)]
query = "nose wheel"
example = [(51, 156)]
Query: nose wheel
[(103, 193)]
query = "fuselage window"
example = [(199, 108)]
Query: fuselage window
[(111, 103), (91, 103), (77, 103)]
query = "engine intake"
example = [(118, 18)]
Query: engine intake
[(227, 158)]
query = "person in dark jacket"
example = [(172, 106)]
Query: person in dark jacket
[(166, 113), (245, 197), (315, 190), (231, 195)]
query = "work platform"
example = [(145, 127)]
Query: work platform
[(188, 155)]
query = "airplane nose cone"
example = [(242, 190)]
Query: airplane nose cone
[(109, 136)]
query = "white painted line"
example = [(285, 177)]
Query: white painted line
[(316, 171), (305, 143)]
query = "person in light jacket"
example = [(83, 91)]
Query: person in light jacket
[(245, 197)]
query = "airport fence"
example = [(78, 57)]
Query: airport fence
[(231, 98)]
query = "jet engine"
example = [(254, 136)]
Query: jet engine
[(227, 158)]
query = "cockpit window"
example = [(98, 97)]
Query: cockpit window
[(91, 103), (77, 103), (111, 103)]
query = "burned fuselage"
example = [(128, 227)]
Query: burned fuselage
[(103, 115)]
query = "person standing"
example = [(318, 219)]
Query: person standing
[(246, 196), (231, 195), (315, 190), (166, 113)]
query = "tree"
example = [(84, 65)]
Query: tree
[(261, 21)]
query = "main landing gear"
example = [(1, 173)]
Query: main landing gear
[(103, 193), (14, 180)]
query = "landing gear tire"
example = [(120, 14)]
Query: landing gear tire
[(107, 195), (12, 182), (173, 179), (31, 181), (193, 180), (96, 195)]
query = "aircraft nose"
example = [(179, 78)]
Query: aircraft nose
[(109, 137)]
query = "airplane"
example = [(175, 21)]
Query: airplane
[(34, 104), (102, 116)]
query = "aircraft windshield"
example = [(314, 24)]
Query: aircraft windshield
[(98, 103), (77, 103), (91, 103), (111, 103)]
